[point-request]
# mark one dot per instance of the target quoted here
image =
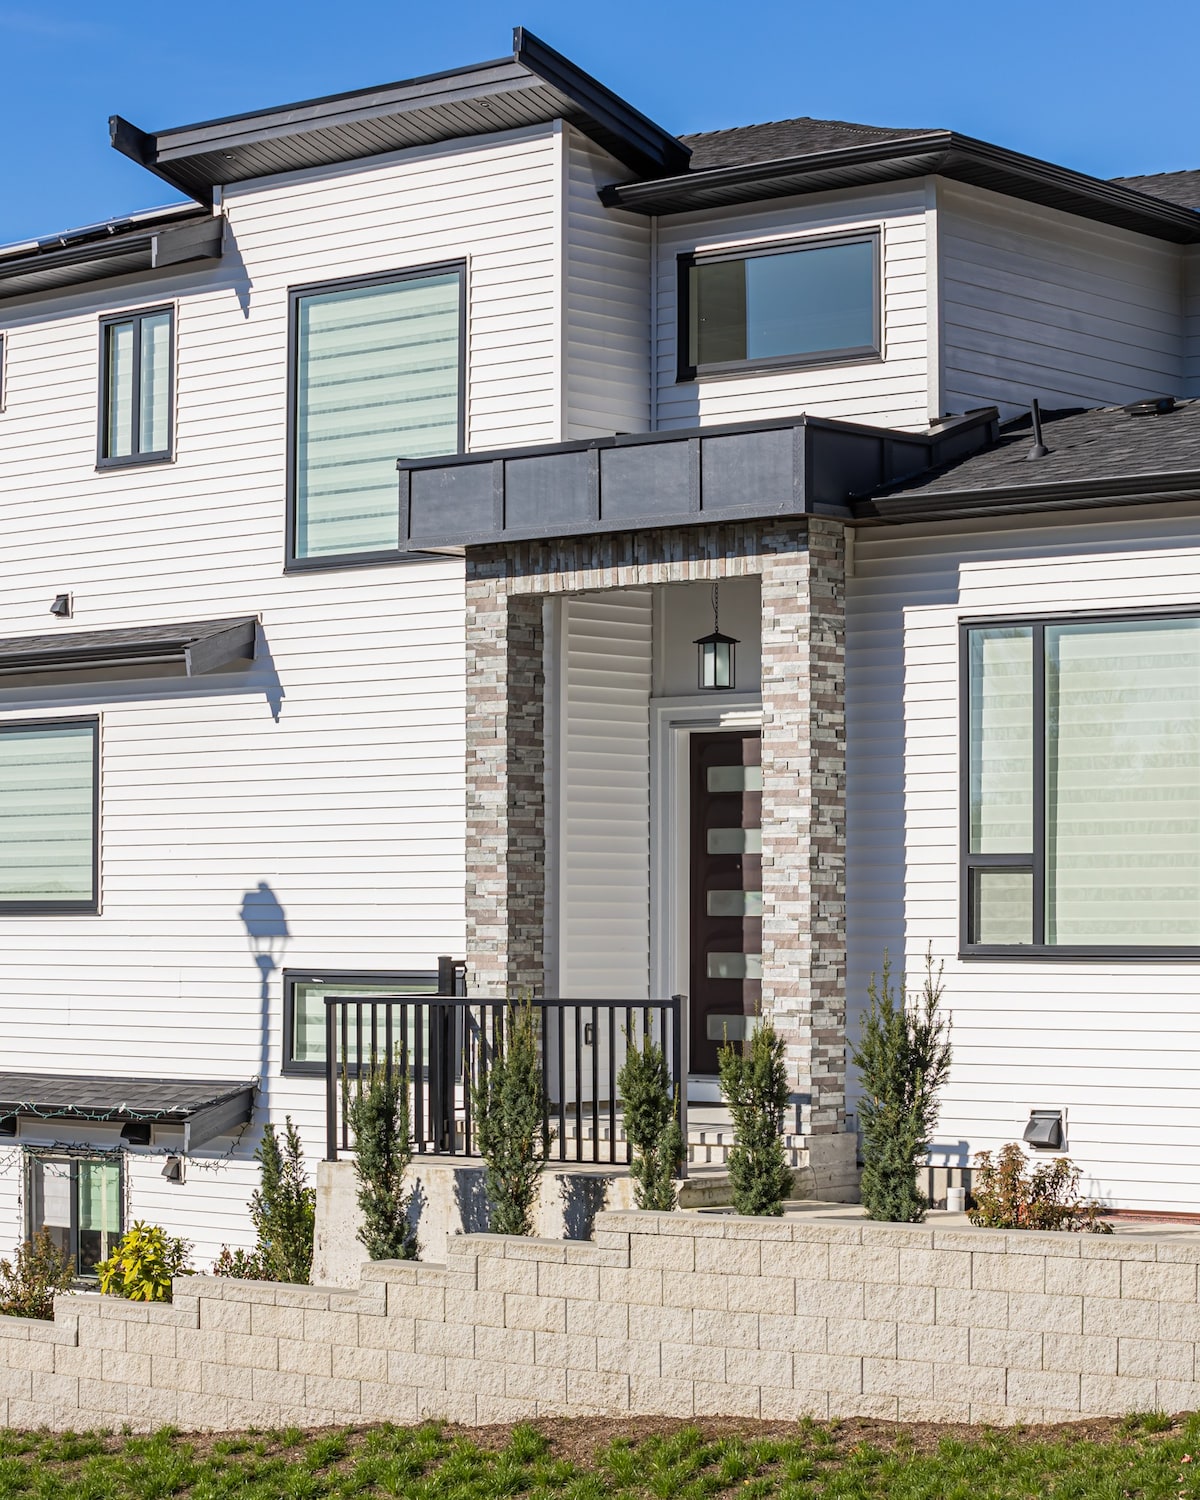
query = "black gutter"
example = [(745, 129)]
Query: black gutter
[(1025, 499), (941, 152)]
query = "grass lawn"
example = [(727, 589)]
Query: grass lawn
[(1150, 1458)]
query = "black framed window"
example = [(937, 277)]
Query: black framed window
[(304, 996), (796, 303), (137, 372), (79, 1200), (49, 815), (377, 374), (1081, 754)]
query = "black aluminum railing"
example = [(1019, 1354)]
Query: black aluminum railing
[(444, 1044)]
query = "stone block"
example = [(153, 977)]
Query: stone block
[(427, 1372), (692, 1362), (534, 1382), (1124, 1317), (299, 1357), (227, 1317), (103, 1333), (794, 1334), (268, 1320), (398, 1333), (729, 1257), (512, 1346), (1158, 1283), (763, 1367), (874, 1263), (545, 1314), (899, 1304), (968, 1308), (1008, 1273), (330, 1327), (358, 1363), (656, 1324), (806, 1260), (1036, 1311), (1094, 1353), (246, 1351), (270, 1385), (640, 1286), (881, 1407), (604, 1391), (724, 1330), (454, 1339), (567, 1351), (898, 1236), (933, 1411), (830, 1299), (1159, 1358), (946, 1345), (169, 1373), (324, 1391), (69, 1360), (384, 1402), (659, 1397), (440, 1405), (594, 1319), (973, 1383), (763, 1294), (663, 1252), (580, 1282), (827, 1372), (712, 1400), (625, 1356), (935, 1268), (911, 1378), (1179, 1320), (122, 1368), (498, 1409), (405, 1301), (1057, 1388), (1015, 1348), (199, 1344), (1114, 1395), (860, 1336), (1179, 1395), (687, 1289), (151, 1338), (1082, 1278)]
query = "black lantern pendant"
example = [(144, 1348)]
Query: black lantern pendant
[(716, 654)]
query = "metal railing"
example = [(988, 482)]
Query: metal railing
[(444, 1045)]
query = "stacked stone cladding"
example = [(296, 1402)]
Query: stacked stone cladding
[(663, 1314)]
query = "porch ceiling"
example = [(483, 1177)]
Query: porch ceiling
[(688, 477)]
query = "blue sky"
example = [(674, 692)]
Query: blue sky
[(1107, 88)]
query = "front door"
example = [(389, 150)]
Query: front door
[(725, 904)]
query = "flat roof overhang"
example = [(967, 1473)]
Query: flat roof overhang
[(695, 476), (118, 248), (534, 86), (202, 647), (204, 1109), (943, 153)]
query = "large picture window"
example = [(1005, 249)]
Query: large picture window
[(812, 302), (136, 372), (304, 1009), (49, 774), (78, 1201), (377, 375), (1082, 826)]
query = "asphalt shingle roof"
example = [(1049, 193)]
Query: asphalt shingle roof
[(1174, 187), (1095, 446), (778, 139)]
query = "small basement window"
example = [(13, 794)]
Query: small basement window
[(304, 1009), (812, 302), (78, 1200)]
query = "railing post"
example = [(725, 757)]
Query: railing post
[(679, 1062), (331, 1099)]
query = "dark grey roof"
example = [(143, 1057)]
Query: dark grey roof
[(142, 242), (200, 647), (1097, 456), (794, 157), (780, 138), (1172, 187), (203, 1107), (533, 86)]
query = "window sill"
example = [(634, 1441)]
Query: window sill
[(139, 461), (356, 560), (1040, 954), (739, 368), (49, 909)]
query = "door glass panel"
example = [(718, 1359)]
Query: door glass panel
[(735, 779), (99, 1213), (735, 903), (735, 965), (735, 840)]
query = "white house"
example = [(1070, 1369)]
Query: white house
[(278, 723)]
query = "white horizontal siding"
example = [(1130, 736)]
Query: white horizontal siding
[(1117, 1044), (1040, 303), (604, 776), (893, 391)]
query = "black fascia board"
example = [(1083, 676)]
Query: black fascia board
[(1026, 499), (534, 85), (113, 250), (942, 152)]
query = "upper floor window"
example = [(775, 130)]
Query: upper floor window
[(48, 815), (1082, 796), (815, 302), (136, 372), (377, 375)]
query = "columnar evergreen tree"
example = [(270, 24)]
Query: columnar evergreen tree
[(283, 1207), (651, 1125), (378, 1112), (903, 1059), (755, 1086), (508, 1102)]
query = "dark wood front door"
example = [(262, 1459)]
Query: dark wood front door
[(726, 889)]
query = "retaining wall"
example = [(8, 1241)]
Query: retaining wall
[(673, 1314)]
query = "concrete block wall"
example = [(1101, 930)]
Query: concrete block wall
[(668, 1314)]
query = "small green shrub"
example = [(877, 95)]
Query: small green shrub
[(754, 1084), (378, 1114), (36, 1272), (903, 1059), (1007, 1194), (283, 1210), (242, 1265), (508, 1102), (142, 1265), (651, 1125)]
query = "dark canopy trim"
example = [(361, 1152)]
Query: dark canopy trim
[(114, 249), (941, 152), (532, 87), (204, 1109), (200, 648)]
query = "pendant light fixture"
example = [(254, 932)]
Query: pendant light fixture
[(716, 653)]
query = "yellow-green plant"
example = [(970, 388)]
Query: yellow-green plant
[(142, 1265)]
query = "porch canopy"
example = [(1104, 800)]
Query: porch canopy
[(204, 1109), (199, 647), (773, 469)]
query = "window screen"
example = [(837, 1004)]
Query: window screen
[(48, 815), (378, 377)]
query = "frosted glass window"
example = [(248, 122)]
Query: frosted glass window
[(735, 779), (1001, 714), (378, 377), (813, 302), (47, 815), (1123, 783), (734, 903), (308, 1013), (735, 840), (137, 380), (734, 965)]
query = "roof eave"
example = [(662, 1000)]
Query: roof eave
[(1026, 499)]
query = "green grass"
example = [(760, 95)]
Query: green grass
[(1146, 1458)]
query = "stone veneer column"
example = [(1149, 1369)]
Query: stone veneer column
[(506, 813), (804, 816)]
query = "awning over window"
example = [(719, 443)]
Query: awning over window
[(204, 1109), (200, 648)]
